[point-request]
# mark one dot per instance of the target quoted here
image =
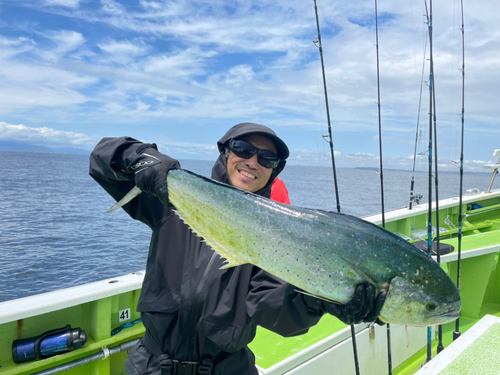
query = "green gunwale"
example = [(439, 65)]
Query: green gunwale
[(96, 318)]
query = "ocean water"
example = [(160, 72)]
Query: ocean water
[(55, 232)]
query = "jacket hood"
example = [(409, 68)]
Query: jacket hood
[(219, 170), (238, 131)]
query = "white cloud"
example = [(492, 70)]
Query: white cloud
[(123, 53), (188, 148), (196, 61), (64, 41), (64, 3), (27, 86), (15, 42), (308, 157), (43, 135), (239, 74), (362, 155), (122, 48), (10, 47), (112, 7), (188, 62), (150, 4)]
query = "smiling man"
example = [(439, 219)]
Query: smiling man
[(246, 173), (199, 319), (251, 156)]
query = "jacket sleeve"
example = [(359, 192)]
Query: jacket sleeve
[(110, 167), (276, 305)]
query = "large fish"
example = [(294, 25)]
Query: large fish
[(322, 253)]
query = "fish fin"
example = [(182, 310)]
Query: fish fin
[(127, 198), (318, 297), (362, 274), (229, 263), (231, 259)]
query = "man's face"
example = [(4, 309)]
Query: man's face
[(248, 174)]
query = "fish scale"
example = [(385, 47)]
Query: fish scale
[(229, 231), (323, 254)]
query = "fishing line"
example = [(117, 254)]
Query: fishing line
[(456, 333), (319, 45), (389, 352)]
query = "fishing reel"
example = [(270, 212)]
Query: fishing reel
[(417, 198)]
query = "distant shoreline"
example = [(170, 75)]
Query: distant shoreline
[(371, 169), (9, 146)]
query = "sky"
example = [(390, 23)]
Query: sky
[(180, 73)]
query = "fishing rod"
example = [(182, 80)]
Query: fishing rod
[(412, 184), (456, 333), (330, 138), (440, 346), (330, 141), (379, 119), (389, 352), (429, 227)]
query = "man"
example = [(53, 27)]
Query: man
[(199, 318)]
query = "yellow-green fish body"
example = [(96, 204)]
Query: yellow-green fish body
[(322, 253)]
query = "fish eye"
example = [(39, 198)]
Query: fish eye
[(430, 306)]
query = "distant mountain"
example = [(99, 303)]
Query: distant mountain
[(26, 147)]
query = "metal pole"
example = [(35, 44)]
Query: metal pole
[(94, 357)]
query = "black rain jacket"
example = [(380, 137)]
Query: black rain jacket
[(191, 308)]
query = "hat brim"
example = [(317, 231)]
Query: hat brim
[(243, 129)]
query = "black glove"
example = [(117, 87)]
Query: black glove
[(150, 168), (363, 306)]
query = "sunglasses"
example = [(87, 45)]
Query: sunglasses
[(245, 150)]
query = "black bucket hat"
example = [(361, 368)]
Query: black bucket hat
[(240, 130)]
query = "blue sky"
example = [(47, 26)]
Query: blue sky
[(180, 73)]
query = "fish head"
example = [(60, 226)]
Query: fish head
[(415, 302)]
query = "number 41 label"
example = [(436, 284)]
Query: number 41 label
[(124, 315)]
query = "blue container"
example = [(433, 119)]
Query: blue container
[(48, 344)]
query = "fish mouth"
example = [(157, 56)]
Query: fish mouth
[(449, 315), (453, 311), (437, 319), (445, 317)]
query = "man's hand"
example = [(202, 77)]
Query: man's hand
[(363, 306), (150, 169)]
